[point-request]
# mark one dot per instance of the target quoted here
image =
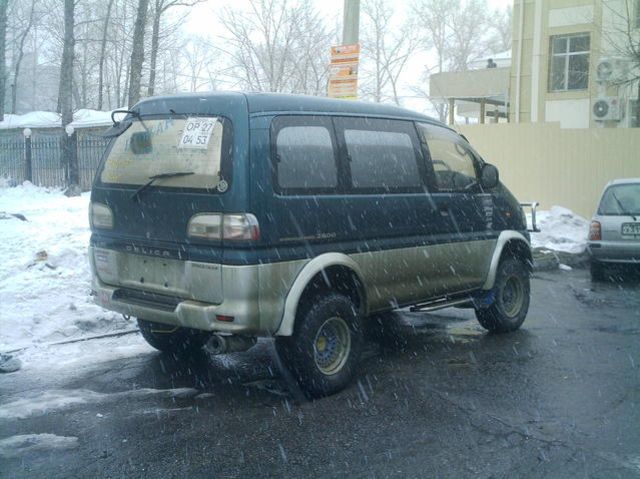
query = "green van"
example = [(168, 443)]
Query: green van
[(219, 218)]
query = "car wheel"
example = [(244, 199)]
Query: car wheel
[(597, 270), (511, 298), (172, 339), (324, 350)]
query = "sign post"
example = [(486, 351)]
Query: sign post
[(343, 76)]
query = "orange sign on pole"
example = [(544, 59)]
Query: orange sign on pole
[(343, 71)]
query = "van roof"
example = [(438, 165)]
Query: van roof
[(266, 103)]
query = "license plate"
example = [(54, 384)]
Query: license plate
[(631, 229)]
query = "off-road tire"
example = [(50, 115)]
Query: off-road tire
[(597, 270), (300, 353), (172, 339), (505, 313)]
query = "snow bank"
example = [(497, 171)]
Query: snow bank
[(44, 273), (560, 230)]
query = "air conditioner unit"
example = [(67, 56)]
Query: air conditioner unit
[(612, 70), (607, 108)]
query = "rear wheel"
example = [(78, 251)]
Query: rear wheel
[(172, 339), (324, 350), (511, 302)]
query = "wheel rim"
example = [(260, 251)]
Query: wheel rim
[(332, 345), (512, 296)]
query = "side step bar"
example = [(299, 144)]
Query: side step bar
[(440, 304)]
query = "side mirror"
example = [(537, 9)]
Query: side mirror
[(489, 176)]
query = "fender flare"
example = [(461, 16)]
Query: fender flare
[(308, 272), (504, 238)]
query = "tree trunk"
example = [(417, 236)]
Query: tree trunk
[(3, 66), (137, 53), (103, 47), (65, 98), (18, 63), (155, 34)]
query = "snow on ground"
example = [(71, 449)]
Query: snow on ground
[(560, 230), (16, 445), (60, 399), (44, 273)]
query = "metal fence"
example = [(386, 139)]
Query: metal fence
[(46, 160), (12, 157), (90, 149), (40, 158)]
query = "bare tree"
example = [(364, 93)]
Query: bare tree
[(431, 16), (266, 42), (311, 62), (501, 29), (137, 53), (3, 47), (457, 32), (622, 36), (387, 53), (160, 7), (20, 53)]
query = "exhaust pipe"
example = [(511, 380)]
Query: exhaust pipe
[(218, 344)]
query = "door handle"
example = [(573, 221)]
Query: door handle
[(444, 209)]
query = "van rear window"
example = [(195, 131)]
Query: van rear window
[(152, 147)]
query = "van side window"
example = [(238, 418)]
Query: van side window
[(304, 157), (452, 160), (382, 155)]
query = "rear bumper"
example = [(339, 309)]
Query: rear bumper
[(240, 301), (187, 313), (615, 251)]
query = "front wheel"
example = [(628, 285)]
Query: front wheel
[(511, 302), (324, 350), (172, 339)]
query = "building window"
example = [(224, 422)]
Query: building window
[(569, 62)]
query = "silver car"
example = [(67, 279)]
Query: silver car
[(614, 235)]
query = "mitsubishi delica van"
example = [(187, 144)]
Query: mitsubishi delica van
[(220, 218)]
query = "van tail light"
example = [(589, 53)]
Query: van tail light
[(595, 231), (231, 227), (206, 226), (100, 216), (242, 227)]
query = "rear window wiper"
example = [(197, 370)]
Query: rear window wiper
[(153, 178), (623, 210)]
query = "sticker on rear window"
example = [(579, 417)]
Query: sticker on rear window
[(196, 133)]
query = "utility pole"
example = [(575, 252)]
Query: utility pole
[(351, 22)]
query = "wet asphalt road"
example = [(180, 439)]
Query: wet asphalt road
[(559, 398)]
